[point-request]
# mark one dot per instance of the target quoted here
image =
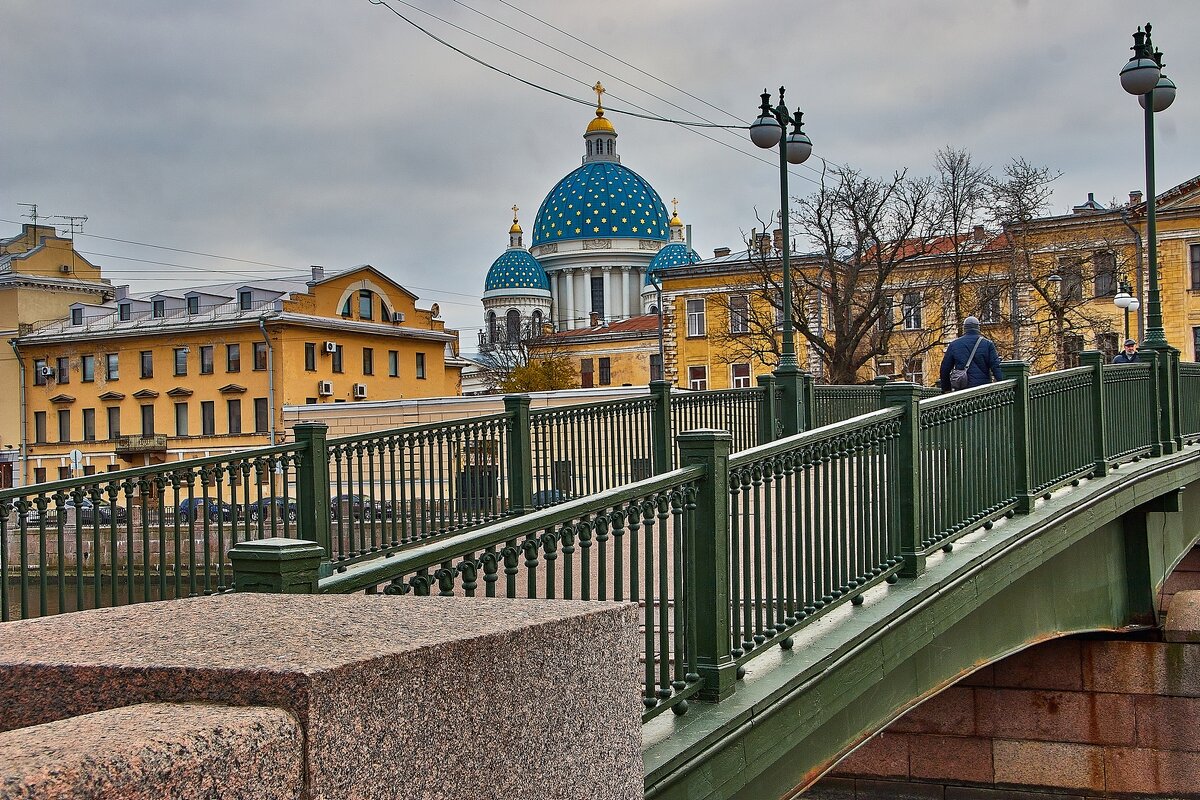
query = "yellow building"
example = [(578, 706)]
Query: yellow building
[(186, 373), (41, 276), (620, 353)]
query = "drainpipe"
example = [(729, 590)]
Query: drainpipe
[(24, 429), (262, 325)]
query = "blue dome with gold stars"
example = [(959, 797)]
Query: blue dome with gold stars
[(676, 254), (516, 269), (601, 200)]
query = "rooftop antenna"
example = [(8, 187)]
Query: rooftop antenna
[(75, 225)]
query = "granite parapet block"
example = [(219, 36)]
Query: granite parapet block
[(156, 751)]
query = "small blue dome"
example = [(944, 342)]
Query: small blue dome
[(516, 269), (601, 200), (675, 254)]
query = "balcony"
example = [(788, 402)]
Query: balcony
[(152, 444)]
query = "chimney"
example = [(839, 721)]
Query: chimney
[(1089, 207), (1135, 197), (764, 244), (594, 318), (121, 292), (979, 234), (778, 240), (721, 252), (318, 274)]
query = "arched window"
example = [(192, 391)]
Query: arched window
[(609, 146), (346, 308), (589, 147), (653, 309), (512, 321), (385, 312), (535, 324), (491, 326)]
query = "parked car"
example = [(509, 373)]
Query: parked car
[(359, 507), (87, 510), (193, 508), (549, 497), (256, 509)]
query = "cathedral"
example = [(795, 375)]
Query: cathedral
[(598, 240)]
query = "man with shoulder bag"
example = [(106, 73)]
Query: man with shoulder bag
[(970, 360)]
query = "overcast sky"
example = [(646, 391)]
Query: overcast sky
[(331, 132)]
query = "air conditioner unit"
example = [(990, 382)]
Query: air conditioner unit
[(325, 388), (360, 391), (331, 347), (65, 269), (47, 372), (397, 316)]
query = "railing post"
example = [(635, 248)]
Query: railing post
[(1095, 360), (905, 479), (312, 484), (809, 393), (1018, 372), (660, 426), (707, 567), (1174, 434), (791, 382), (1156, 398), (276, 565), (766, 411), (520, 454)]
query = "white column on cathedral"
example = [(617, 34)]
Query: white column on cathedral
[(625, 292), (584, 317), (554, 306), (569, 305), (610, 308)]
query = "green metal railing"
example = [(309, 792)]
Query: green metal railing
[(1189, 412), (735, 410), (1125, 390), (835, 403), (1060, 407)]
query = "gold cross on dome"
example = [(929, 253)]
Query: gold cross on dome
[(599, 90), (515, 210), (674, 206)]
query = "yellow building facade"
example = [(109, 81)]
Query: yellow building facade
[(186, 373), (41, 276)]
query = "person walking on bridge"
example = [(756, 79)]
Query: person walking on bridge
[(973, 354), (1129, 356)]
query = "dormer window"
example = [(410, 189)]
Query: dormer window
[(345, 312), (193, 305), (76, 316), (160, 309), (365, 297), (385, 312), (123, 312), (245, 299)]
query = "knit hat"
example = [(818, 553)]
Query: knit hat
[(971, 323)]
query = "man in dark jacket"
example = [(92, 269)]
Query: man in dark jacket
[(984, 366), (1130, 354)]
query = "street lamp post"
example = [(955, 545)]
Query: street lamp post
[(1143, 76), (1127, 303), (794, 148)]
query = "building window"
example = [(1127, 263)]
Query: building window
[(206, 359), (39, 372), (739, 313), (364, 303), (598, 296), (368, 361), (656, 367), (605, 371), (262, 416), (181, 419), (114, 421), (586, 373), (1072, 347), (310, 356), (147, 357), (76, 316), (260, 356), (87, 369), (181, 354), (885, 369), (385, 313), (64, 425), (245, 300), (1105, 263), (493, 328), (695, 318), (64, 370), (698, 378), (112, 366), (233, 358), (911, 309), (421, 366), (1194, 264), (989, 305), (914, 370), (193, 305), (1196, 344), (39, 474), (89, 424), (535, 324), (234, 408), (147, 420), (512, 326), (208, 417), (1108, 344), (394, 363), (124, 312), (158, 309), (1071, 287), (740, 375), (336, 360), (39, 427), (345, 312)]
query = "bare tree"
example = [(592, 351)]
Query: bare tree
[(961, 193), (532, 361)]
